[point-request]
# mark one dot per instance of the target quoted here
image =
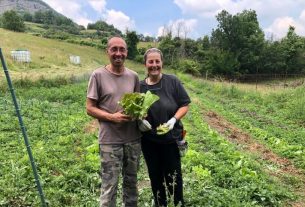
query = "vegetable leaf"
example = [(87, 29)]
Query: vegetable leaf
[(136, 104), (162, 129)]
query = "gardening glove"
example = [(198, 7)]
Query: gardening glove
[(170, 123), (144, 125)]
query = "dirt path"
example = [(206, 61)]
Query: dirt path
[(248, 144), (239, 137)]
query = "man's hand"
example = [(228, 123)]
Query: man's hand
[(119, 117), (170, 123), (144, 125)]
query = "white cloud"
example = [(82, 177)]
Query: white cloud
[(119, 20), (84, 21), (199, 7), (280, 26), (180, 27), (71, 9), (74, 9), (68, 8), (302, 16), (98, 5), (147, 34), (273, 15), (209, 8), (161, 31)]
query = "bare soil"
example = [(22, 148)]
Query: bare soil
[(247, 143)]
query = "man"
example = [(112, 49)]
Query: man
[(119, 137)]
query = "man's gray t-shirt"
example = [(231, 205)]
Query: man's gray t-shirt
[(107, 89)]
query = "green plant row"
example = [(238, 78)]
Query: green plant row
[(215, 172), (66, 156), (218, 174), (268, 119)]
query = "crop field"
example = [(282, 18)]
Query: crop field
[(246, 147)]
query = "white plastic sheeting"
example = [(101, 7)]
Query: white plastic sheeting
[(75, 59), (21, 55)]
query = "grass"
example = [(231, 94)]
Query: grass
[(275, 119), (260, 88), (49, 57), (216, 173), (34, 27), (51, 93), (147, 44)]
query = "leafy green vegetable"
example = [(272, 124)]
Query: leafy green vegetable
[(136, 104), (162, 129)]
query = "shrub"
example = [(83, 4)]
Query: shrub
[(12, 21), (189, 66)]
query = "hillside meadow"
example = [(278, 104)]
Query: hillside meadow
[(246, 146), (49, 57)]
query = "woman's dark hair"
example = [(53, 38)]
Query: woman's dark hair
[(151, 50)]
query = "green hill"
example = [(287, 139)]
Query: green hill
[(49, 57)]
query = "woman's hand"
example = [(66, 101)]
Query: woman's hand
[(144, 125), (170, 123)]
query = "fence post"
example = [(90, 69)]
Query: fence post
[(23, 130)]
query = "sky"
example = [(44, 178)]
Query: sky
[(192, 18)]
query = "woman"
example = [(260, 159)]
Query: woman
[(161, 152)]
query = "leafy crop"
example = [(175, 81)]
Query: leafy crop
[(162, 129), (216, 172), (136, 105)]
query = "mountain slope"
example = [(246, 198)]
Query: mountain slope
[(23, 6)]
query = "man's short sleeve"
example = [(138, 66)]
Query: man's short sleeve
[(137, 85), (92, 91)]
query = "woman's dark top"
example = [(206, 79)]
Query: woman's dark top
[(172, 96)]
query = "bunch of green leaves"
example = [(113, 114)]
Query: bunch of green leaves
[(136, 104), (162, 129)]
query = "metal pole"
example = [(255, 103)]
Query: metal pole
[(26, 140)]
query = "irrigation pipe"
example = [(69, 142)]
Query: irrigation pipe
[(25, 136)]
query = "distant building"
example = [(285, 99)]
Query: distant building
[(21, 55), (75, 59)]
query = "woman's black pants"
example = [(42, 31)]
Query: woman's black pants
[(164, 167)]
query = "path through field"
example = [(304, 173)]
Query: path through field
[(281, 170), (284, 167)]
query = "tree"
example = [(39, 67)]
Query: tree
[(132, 40), (241, 35), (104, 27), (204, 43), (12, 21), (189, 66), (272, 58), (38, 17), (220, 62), (190, 47), (49, 17), (27, 17), (293, 48), (169, 50)]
